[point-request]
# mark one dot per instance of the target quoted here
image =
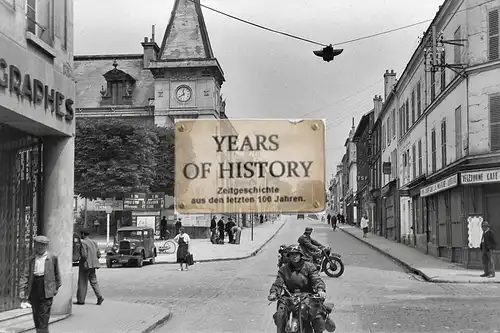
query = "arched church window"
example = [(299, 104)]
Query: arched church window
[(119, 87)]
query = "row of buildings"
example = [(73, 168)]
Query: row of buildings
[(426, 159)]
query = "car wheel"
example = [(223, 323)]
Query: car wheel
[(109, 263), (152, 261)]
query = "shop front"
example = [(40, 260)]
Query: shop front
[(442, 203), (416, 233), (36, 165), (349, 213), (389, 208), (481, 193)]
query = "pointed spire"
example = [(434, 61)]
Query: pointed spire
[(186, 36)]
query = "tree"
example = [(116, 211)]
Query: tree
[(116, 156), (165, 160)]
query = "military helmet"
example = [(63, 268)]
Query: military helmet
[(295, 249)]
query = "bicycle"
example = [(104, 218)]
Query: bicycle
[(167, 247)]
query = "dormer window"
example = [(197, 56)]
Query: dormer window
[(119, 87)]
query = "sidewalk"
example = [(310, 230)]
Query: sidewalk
[(110, 317), (432, 269), (204, 251)]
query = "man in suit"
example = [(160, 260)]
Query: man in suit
[(87, 267), (40, 282), (488, 245)]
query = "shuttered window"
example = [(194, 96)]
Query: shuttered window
[(494, 103), (407, 115), (433, 150), (414, 161), (413, 106), (394, 123), (420, 171), (493, 35), (458, 132), (457, 51), (443, 143), (419, 100)]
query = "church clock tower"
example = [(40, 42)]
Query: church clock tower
[(188, 78)]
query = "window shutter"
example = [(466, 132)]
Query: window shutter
[(493, 35), (394, 123), (457, 56), (495, 122)]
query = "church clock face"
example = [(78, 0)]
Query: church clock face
[(183, 94)]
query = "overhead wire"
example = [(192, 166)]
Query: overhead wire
[(341, 100)]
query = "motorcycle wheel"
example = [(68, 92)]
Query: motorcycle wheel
[(335, 270)]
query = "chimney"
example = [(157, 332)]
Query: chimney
[(389, 82), (151, 49), (377, 105)]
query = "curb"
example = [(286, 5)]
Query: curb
[(414, 270), (158, 323), (252, 254), (402, 263)]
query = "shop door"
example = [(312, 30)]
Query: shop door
[(443, 217), (20, 179), (432, 219), (493, 211), (457, 220)]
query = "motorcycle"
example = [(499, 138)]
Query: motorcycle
[(301, 308), (329, 262)]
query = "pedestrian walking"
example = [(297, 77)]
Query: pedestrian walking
[(488, 245), (178, 226), (334, 223), (221, 226), (40, 283), (213, 230), (261, 218), (163, 228), (236, 234), (183, 241), (328, 218), (87, 268), (229, 226), (364, 225)]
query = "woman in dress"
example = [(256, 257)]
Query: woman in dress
[(182, 240)]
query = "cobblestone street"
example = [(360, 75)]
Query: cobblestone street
[(374, 294)]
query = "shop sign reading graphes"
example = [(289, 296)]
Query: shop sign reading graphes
[(241, 166)]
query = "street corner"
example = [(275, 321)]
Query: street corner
[(113, 316)]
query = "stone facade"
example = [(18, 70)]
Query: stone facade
[(37, 95)]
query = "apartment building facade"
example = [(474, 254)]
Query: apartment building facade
[(449, 121), (361, 139)]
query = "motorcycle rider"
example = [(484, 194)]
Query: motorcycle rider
[(302, 275), (310, 247)]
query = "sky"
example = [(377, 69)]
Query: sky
[(270, 75)]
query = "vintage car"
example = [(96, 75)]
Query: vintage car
[(300, 216), (132, 246), (77, 243)]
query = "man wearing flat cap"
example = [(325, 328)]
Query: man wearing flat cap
[(40, 283)]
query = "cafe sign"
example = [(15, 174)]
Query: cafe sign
[(442, 185), (480, 177)]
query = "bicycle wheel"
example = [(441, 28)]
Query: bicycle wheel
[(169, 247)]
